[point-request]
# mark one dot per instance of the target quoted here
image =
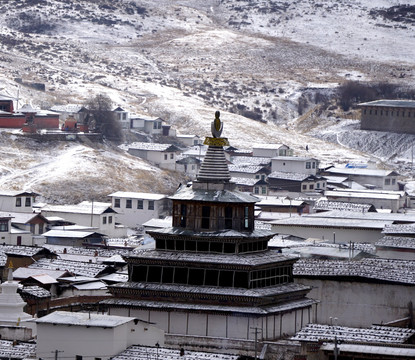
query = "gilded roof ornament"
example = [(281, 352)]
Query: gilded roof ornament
[(216, 128)]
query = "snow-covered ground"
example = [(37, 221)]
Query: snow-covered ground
[(185, 59)]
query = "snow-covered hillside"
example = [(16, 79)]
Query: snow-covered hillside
[(184, 59)]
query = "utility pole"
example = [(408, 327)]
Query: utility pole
[(56, 353)]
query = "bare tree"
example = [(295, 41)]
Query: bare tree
[(102, 118)]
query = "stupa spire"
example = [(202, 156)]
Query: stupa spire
[(214, 167)]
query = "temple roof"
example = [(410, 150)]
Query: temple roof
[(227, 233), (251, 259), (283, 289), (225, 196)]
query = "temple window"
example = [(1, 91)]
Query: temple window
[(228, 217)]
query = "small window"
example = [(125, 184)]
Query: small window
[(304, 187), (40, 228), (263, 177), (318, 185), (32, 228), (314, 165), (78, 357), (381, 112), (376, 112), (151, 205), (18, 202), (264, 190), (256, 190), (165, 156), (257, 176), (104, 220), (159, 125), (311, 186), (387, 181), (140, 204), (370, 112), (154, 125), (28, 202), (109, 219), (308, 165), (171, 156), (4, 225), (393, 181), (129, 204), (117, 203)]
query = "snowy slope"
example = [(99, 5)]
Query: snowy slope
[(184, 59)]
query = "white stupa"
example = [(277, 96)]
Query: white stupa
[(12, 304)]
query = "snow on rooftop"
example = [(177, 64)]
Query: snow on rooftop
[(136, 352), (83, 319), (374, 334), (250, 160), (21, 350), (338, 205), (85, 207), (35, 291), (137, 195), (288, 176), (152, 146), (383, 270), (75, 267), (249, 169), (403, 229), (397, 242)]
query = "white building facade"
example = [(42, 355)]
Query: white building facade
[(92, 336), (135, 208)]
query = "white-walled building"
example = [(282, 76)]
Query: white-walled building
[(17, 201), (135, 208), (90, 336), (271, 150), (150, 125), (189, 140), (123, 117), (340, 226), (161, 155), (97, 215), (380, 199), (295, 164), (376, 178)]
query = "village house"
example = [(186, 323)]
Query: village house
[(252, 186), (295, 164), (360, 293), (97, 215), (380, 199), (257, 172), (17, 201), (388, 115), (279, 181), (188, 165), (282, 205), (74, 237), (340, 226), (135, 208), (92, 336), (189, 140), (123, 117), (271, 150), (161, 155), (149, 125), (370, 178), (10, 235)]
